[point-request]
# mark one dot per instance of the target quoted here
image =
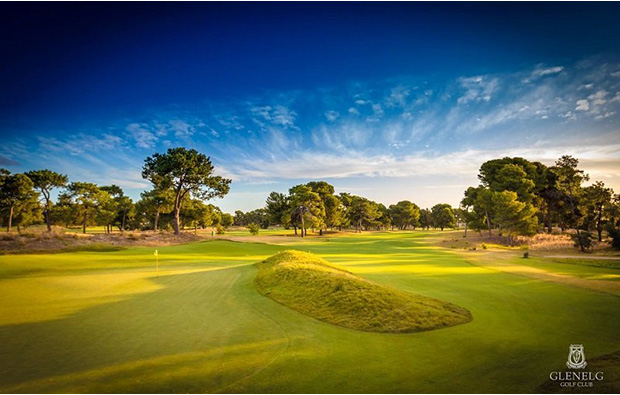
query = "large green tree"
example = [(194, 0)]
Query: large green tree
[(478, 208), (443, 216), (404, 214), (185, 172), (568, 182), (512, 177), (306, 209), (333, 206), (491, 175), (596, 200), (276, 205), (46, 181), (513, 216), (426, 219), (226, 220), (16, 191), (363, 212)]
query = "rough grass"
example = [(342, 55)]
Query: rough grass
[(57, 242), (310, 285)]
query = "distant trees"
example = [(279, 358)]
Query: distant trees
[(315, 205), (260, 216), (185, 172), (515, 197), (154, 203), (87, 198), (120, 207)]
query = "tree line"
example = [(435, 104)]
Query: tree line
[(515, 197), (520, 197), (315, 205), (182, 181)]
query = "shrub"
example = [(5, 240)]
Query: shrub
[(583, 240), (253, 228), (614, 233), (526, 254), (484, 246), (220, 230)]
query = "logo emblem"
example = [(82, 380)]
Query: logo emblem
[(576, 357)]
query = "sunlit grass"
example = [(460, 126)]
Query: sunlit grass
[(310, 285), (105, 322)]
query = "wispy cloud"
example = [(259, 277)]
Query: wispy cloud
[(80, 143), (480, 88), (142, 137), (467, 162), (403, 127)]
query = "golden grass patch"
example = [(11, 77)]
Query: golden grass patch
[(312, 286)]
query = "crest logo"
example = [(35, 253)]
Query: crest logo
[(576, 357)]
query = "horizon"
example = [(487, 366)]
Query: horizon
[(415, 95)]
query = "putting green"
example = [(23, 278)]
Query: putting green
[(105, 322)]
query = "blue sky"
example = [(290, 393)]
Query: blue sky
[(391, 101)]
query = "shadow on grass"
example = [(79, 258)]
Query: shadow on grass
[(139, 344)]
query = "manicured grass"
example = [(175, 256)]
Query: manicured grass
[(105, 322), (596, 269), (605, 263), (310, 285)]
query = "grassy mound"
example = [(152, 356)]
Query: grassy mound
[(310, 285)]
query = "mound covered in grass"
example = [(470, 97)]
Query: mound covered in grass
[(310, 285)]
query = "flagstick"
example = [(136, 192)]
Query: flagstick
[(157, 263)]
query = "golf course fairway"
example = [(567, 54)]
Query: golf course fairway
[(101, 322)]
